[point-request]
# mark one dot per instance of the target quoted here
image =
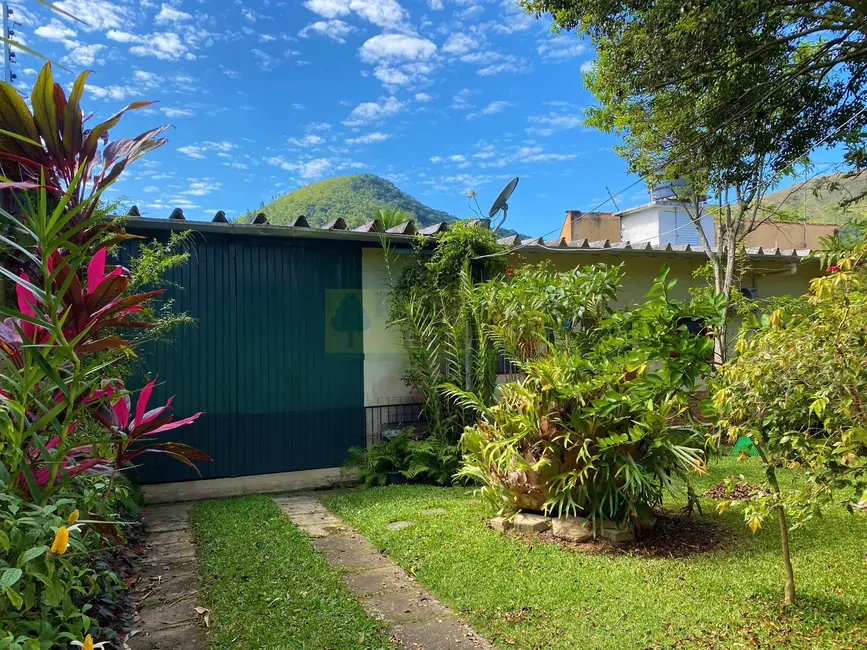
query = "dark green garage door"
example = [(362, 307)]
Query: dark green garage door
[(274, 359)]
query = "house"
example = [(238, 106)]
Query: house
[(665, 220), (290, 359)]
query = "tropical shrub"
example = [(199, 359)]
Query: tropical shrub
[(422, 460), (599, 425), (59, 346), (437, 311), (795, 388)]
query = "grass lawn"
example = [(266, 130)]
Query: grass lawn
[(267, 588), (531, 595)]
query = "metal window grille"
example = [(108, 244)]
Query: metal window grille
[(391, 418)]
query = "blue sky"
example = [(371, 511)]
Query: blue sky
[(439, 96)]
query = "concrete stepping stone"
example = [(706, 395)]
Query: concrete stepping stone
[(434, 511), (417, 620), (375, 581), (166, 589)]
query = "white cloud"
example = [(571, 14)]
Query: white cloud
[(436, 5), (96, 14), (198, 151), (587, 66), (369, 138), (556, 122), (516, 20), (201, 188), (368, 112), (267, 38), (122, 37), (176, 112), (249, 14), (192, 151), (232, 74), (307, 169), (459, 43), (54, 31), (456, 158), (83, 55), (461, 100), (436, 159), (559, 49), (491, 109), (264, 60), (118, 93), (309, 140), (384, 13), (396, 47), (336, 30), (498, 68), (166, 46), (328, 8), (169, 14), (423, 97)]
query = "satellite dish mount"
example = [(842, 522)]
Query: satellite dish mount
[(501, 202)]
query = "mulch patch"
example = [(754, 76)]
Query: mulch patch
[(738, 492), (673, 536)]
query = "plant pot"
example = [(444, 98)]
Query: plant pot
[(396, 478)]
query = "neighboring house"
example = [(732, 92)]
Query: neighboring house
[(665, 220), (290, 359)]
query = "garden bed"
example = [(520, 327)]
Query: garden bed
[(540, 595)]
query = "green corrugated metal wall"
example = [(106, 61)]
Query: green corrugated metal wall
[(279, 388)]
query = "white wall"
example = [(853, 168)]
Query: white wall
[(383, 350), (664, 224), (641, 225)]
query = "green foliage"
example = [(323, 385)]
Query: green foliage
[(391, 217), (423, 460), (439, 314), (41, 593), (822, 197), (796, 390), (599, 425), (266, 587)]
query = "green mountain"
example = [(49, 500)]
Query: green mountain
[(820, 204), (354, 198)]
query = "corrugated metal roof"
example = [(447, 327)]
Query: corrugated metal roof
[(561, 246), (405, 232)]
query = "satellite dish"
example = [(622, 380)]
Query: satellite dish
[(501, 202)]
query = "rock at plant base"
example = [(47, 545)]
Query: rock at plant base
[(398, 525), (501, 523), (617, 534), (433, 511), (529, 523), (573, 529)]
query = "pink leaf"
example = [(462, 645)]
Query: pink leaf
[(121, 411), (142, 403), (176, 424), (96, 270)]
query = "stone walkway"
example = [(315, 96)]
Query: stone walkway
[(166, 591), (417, 620)]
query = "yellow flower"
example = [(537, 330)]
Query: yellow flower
[(89, 644), (73, 517), (61, 541)]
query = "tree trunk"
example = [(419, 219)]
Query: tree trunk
[(787, 557), (789, 597)]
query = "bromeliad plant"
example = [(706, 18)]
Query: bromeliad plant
[(68, 331), (599, 425)]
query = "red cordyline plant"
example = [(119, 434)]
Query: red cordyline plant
[(67, 329)]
